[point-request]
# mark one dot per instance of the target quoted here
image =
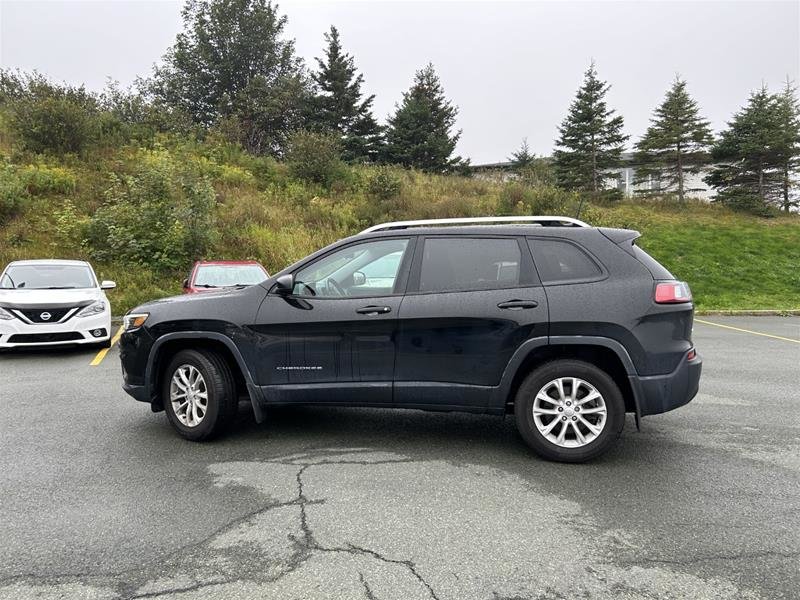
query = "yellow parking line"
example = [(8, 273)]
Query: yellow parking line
[(769, 335), (102, 354)]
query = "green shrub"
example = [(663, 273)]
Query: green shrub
[(71, 226), (315, 157), (55, 124), (14, 195), (235, 176), (42, 179), (384, 183), (519, 199), (161, 217)]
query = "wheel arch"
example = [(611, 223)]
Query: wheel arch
[(168, 345), (605, 353)]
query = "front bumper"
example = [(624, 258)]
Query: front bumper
[(661, 393), (15, 333)]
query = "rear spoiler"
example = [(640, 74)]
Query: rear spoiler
[(621, 237)]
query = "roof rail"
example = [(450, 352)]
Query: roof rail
[(550, 221)]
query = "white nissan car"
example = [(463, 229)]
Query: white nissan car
[(52, 302)]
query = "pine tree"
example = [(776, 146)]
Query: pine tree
[(340, 105), (232, 65), (590, 138), (523, 157), (419, 133), (788, 147), (675, 144), (748, 164)]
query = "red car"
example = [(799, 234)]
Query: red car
[(207, 275)]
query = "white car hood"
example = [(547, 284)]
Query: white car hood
[(47, 298)]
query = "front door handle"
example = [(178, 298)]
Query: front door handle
[(373, 310), (518, 304)]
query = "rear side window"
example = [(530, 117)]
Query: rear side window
[(463, 264), (560, 261)]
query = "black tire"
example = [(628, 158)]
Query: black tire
[(537, 379), (222, 401), (103, 344)]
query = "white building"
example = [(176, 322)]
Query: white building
[(625, 181), (623, 178)]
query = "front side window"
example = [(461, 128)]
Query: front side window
[(47, 277), (367, 269), (462, 264), (559, 261)]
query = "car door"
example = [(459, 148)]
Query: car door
[(332, 340), (470, 303)]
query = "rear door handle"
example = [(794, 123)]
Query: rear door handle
[(518, 304), (373, 310)]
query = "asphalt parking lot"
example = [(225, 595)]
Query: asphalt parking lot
[(98, 498)]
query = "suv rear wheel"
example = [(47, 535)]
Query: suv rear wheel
[(569, 411), (199, 394)]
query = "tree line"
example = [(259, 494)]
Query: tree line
[(233, 73), (752, 164)]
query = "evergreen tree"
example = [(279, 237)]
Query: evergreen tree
[(523, 157), (590, 138), (749, 165), (231, 62), (419, 133), (340, 106), (788, 146), (675, 144)]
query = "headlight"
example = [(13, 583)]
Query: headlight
[(93, 309), (5, 315), (133, 321)]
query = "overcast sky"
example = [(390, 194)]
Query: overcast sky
[(511, 67)]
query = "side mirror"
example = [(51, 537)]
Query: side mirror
[(284, 284), (186, 283), (107, 285), (359, 278)]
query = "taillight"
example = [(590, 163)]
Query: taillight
[(673, 292), (691, 355)]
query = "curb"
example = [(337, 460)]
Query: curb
[(788, 312)]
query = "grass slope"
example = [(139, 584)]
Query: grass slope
[(731, 260)]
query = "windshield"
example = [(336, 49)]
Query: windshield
[(228, 275), (47, 277)]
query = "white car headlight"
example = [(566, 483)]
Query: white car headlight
[(93, 309), (5, 315), (133, 321)]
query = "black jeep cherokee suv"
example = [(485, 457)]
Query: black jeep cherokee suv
[(565, 325)]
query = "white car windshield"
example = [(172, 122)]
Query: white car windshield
[(47, 277)]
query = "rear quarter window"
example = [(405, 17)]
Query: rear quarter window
[(560, 261), (652, 265)]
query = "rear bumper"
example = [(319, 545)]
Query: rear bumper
[(661, 393)]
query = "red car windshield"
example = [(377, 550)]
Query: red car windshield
[(228, 275)]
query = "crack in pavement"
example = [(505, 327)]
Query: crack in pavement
[(180, 590), (713, 557), (259, 551), (310, 544), (370, 595), (125, 587)]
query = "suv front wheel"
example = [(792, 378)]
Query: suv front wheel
[(199, 394), (569, 411)]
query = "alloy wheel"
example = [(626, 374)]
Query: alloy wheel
[(189, 395), (569, 412)]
